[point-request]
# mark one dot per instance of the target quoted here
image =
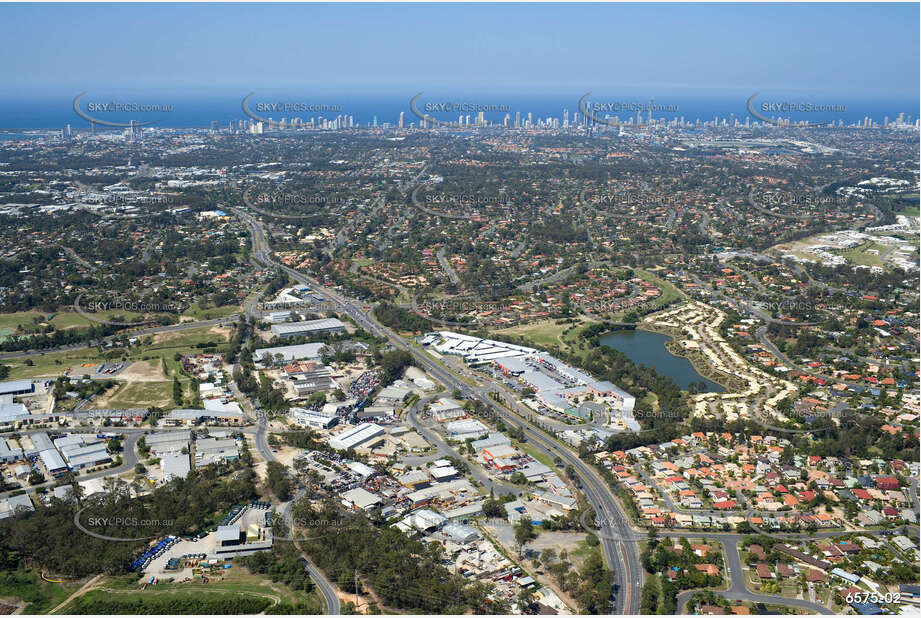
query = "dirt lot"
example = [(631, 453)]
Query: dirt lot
[(142, 371), (136, 394), (546, 539)]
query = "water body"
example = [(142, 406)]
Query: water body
[(646, 348), (197, 109)]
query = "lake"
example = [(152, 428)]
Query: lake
[(646, 348)]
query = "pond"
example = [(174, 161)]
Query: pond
[(646, 348)]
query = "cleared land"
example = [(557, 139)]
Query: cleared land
[(237, 582)]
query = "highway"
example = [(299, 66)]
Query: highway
[(619, 540), (621, 556)]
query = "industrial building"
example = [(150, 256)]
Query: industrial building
[(8, 452), (467, 428), (556, 384), (53, 462), (17, 387), (175, 465), (288, 353), (360, 436), (360, 499), (14, 504), (168, 441), (309, 328), (187, 417), (13, 414), (312, 381), (309, 418), (34, 443), (85, 455), (213, 450), (446, 409)]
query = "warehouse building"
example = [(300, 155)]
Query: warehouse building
[(53, 462), (360, 499), (319, 379), (213, 450), (13, 414), (17, 387), (178, 418), (360, 436), (80, 456), (288, 353), (467, 428), (7, 452), (446, 409), (168, 441), (35, 443), (175, 465), (309, 418), (15, 505), (309, 328), (229, 536)]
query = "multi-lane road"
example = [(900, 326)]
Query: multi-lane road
[(622, 556), (620, 542)]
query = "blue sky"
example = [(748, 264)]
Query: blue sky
[(854, 48)]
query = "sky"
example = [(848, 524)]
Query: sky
[(854, 48)]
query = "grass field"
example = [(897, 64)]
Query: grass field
[(536, 454), (141, 395), (211, 313), (20, 319), (41, 596), (62, 320), (584, 550), (669, 292), (542, 334), (548, 333), (858, 255), (169, 344), (237, 582)]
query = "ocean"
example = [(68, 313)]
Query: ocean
[(179, 111)]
